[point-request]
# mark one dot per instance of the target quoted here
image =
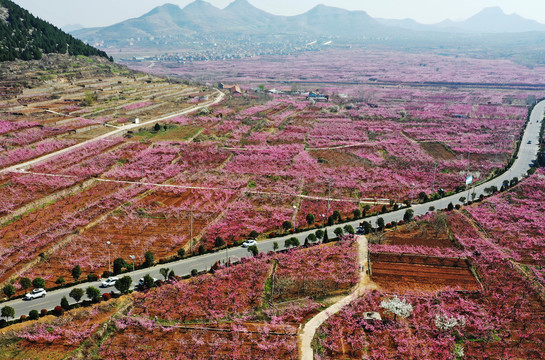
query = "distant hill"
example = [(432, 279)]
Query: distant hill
[(26, 37), (492, 20), (72, 27), (240, 17), (335, 21)]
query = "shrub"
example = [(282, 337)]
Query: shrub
[(60, 280), (43, 312), (408, 216), (164, 272), (149, 258), (92, 277), (25, 283), (23, 317), (286, 225), (339, 232), (93, 293), (349, 229), (64, 303), (357, 213), (319, 234), (293, 241), (7, 312), (76, 272), (123, 284), (275, 246), (312, 238), (194, 272), (310, 219), (76, 294), (106, 296), (148, 281), (253, 249), (119, 264), (219, 242), (380, 224), (58, 310), (326, 237), (8, 290), (33, 315), (38, 283), (106, 274), (254, 234), (201, 250), (450, 207)]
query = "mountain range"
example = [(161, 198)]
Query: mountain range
[(491, 20), (241, 17)]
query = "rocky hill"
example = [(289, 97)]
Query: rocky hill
[(26, 37)]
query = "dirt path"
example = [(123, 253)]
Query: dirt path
[(307, 333)]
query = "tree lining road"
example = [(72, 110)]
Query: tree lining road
[(527, 153)]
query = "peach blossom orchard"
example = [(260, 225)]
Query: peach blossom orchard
[(246, 170)]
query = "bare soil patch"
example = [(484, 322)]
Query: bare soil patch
[(438, 150), (403, 272)]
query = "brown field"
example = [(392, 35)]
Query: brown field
[(438, 150), (338, 158), (403, 272), (416, 234)]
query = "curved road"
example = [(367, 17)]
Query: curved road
[(119, 131), (527, 153)]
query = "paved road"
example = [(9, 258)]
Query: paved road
[(527, 153), (118, 131)]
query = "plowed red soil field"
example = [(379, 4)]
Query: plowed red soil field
[(402, 272)]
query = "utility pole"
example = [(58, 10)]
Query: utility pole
[(328, 196), (433, 184), (109, 261), (191, 232)]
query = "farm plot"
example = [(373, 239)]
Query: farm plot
[(232, 313), (56, 338), (131, 231), (223, 341), (514, 220), (407, 272), (44, 228), (481, 322), (315, 272)]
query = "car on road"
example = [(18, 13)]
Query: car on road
[(109, 282), (248, 243), (35, 294), (360, 230), (529, 141)]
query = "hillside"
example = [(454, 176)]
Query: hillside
[(26, 37)]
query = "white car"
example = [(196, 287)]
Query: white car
[(248, 243), (36, 293), (109, 282)]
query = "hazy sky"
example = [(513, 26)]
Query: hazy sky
[(106, 12)]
